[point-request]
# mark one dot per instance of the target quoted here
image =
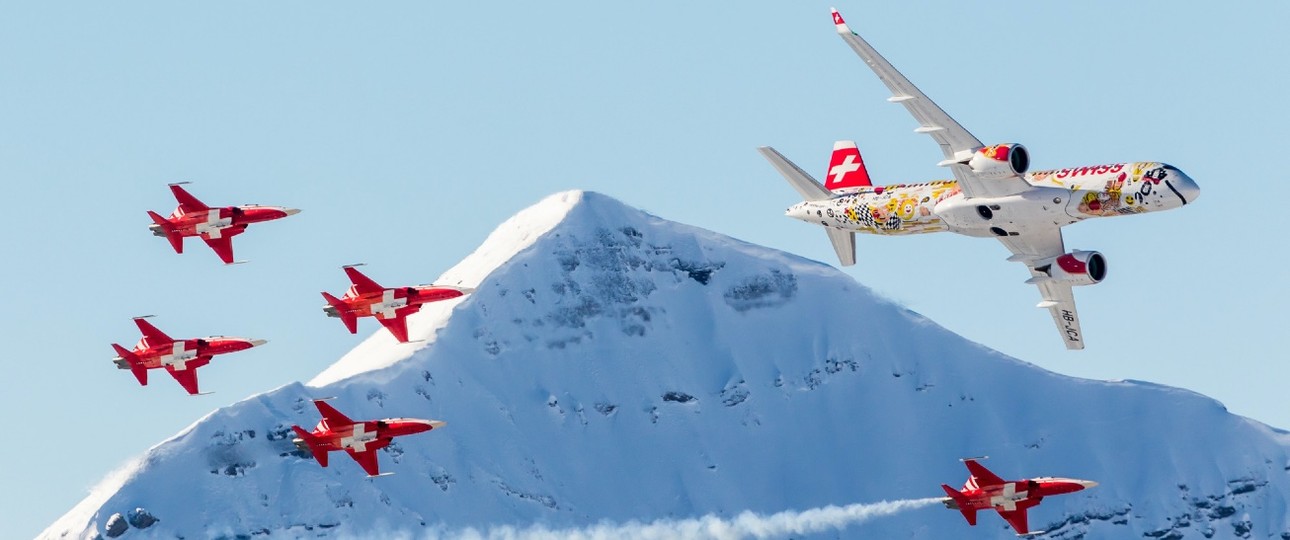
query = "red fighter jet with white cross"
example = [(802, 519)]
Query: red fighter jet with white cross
[(179, 357), (1011, 499), (360, 439), (390, 306), (216, 226)]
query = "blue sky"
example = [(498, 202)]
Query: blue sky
[(406, 131)]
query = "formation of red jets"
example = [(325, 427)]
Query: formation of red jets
[(182, 357), (391, 306)]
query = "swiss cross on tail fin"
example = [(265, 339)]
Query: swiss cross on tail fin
[(846, 168)]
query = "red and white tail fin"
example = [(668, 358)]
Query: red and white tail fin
[(176, 240), (846, 168), (961, 504), (311, 442), (342, 310)]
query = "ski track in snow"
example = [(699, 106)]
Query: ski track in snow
[(744, 525)]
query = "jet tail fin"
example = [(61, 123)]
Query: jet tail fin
[(168, 230), (343, 312), (844, 243), (309, 441), (810, 189), (960, 503)]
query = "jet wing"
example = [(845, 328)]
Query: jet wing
[(398, 324), (362, 283), (151, 335), (984, 478), (1057, 297), (187, 202), (957, 144), (223, 246), (333, 417), (367, 460), (1018, 519), (187, 378)]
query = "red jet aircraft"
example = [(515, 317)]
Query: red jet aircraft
[(217, 226), (360, 440), (391, 307), (985, 490), (180, 357)]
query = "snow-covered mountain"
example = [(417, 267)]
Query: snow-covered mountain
[(617, 366)]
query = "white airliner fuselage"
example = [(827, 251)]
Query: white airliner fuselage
[(1058, 198)]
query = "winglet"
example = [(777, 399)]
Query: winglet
[(839, 23)]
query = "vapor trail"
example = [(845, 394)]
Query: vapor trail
[(744, 525)]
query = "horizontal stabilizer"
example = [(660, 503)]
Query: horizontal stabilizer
[(810, 189), (168, 230), (960, 503), (309, 441), (844, 243), (342, 311)]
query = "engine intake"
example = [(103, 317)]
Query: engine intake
[(1076, 268), (1000, 161)]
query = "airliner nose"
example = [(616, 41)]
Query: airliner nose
[(798, 211), (1183, 185)]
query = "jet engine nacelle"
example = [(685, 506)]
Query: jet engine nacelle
[(1000, 161), (1075, 268)]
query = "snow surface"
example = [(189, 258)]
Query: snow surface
[(617, 367)]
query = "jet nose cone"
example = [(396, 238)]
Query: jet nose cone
[(1087, 483), (258, 342), (291, 211), (436, 424)]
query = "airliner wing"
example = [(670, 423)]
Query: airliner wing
[(1058, 297), (957, 144)]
